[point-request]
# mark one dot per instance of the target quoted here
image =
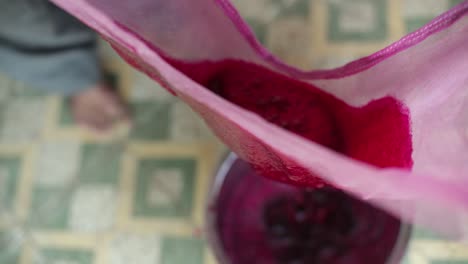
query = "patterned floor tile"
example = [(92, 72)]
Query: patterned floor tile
[(265, 11), (63, 256), (430, 8), (449, 261), (164, 188), (10, 246), (105, 51), (283, 27), (417, 13), (9, 176), (65, 115), (287, 38), (10, 88), (93, 208), (455, 2), (151, 120), (292, 7), (262, 10), (5, 88), (437, 250), (415, 23), (100, 163), (130, 248), (186, 126), (332, 61), (23, 120), (422, 233), (19, 89), (57, 163), (180, 250), (145, 89), (50, 208), (360, 20), (260, 29)]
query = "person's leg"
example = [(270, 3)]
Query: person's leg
[(47, 48)]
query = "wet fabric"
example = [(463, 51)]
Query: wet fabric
[(390, 128)]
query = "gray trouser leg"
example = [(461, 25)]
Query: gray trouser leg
[(46, 48)]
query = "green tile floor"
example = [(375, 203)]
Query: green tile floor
[(70, 197)]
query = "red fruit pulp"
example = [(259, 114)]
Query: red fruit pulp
[(377, 133)]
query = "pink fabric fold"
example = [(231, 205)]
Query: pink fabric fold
[(398, 119)]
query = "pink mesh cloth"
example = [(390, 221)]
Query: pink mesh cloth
[(398, 118)]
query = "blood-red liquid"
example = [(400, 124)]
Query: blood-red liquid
[(377, 133), (265, 222)]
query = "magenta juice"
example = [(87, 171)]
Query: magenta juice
[(256, 220)]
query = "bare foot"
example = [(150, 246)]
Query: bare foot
[(98, 108)]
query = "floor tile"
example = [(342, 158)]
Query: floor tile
[(23, 120), (360, 20), (9, 177), (65, 114), (424, 8), (5, 88), (180, 250), (263, 11), (449, 261), (93, 208), (259, 28), (292, 7), (21, 90), (146, 89), (57, 163), (332, 61), (164, 188), (151, 121), (64, 256), (105, 51), (417, 13), (50, 208), (10, 246), (288, 39), (455, 2), (100, 163), (415, 23), (186, 126), (283, 27), (129, 248)]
